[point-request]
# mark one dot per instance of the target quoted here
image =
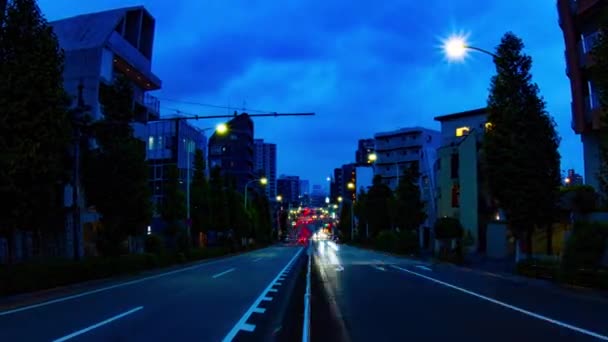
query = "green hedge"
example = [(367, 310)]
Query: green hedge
[(585, 247), (33, 276), (448, 228), (405, 242)]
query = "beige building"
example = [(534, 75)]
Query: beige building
[(458, 176)]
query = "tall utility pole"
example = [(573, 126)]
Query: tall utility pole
[(78, 121)]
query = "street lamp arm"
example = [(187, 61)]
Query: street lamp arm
[(481, 50)]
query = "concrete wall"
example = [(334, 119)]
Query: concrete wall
[(85, 66), (469, 188), (496, 240), (591, 155)]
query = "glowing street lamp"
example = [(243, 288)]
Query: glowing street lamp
[(340, 199), (279, 198), (372, 157), (456, 48), (262, 180), (221, 128), (350, 186)]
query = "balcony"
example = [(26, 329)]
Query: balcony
[(134, 58)]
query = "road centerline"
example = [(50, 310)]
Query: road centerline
[(222, 273), (508, 306), (97, 325)]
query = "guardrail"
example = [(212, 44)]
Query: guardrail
[(306, 325)]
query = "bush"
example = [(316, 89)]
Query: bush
[(405, 242), (535, 268), (585, 247), (50, 273), (154, 244), (448, 228)]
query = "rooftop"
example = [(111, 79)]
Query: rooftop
[(468, 113)]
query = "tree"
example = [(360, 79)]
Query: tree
[(521, 160), (379, 198), (361, 211), (410, 209), (217, 199), (345, 220), (115, 175), (34, 122), (599, 74), (199, 196), (173, 209)]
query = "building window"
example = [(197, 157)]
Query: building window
[(594, 98), (462, 131), (454, 165), (588, 41), (488, 126), (455, 196), (160, 142), (151, 142)]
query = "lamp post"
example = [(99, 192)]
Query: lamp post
[(262, 181), (456, 47), (279, 199)]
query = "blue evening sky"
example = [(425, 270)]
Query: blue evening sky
[(362, 66)]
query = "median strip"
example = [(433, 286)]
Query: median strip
[(222, 273), (508, 306), (94, 326)]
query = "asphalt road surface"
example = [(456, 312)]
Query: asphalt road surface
[(377, 297), (218, 300)]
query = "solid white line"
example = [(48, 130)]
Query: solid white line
[(222, 273), (132, 282), (273, 290), (256, 259), (82, 331), (268, 299), (278, 283), (509, 306), (242, 323), (248, 327), (259, 310), (379, 268), (423, 268)]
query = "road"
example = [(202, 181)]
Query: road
[(377, 297), (217, 300)]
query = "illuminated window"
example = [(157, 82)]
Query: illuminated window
[(488, 126), (462, 131), (150, 143)]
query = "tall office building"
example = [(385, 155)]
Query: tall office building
[(364, 149), (288, 187), (265, 164), (232, 151), (580, 22)]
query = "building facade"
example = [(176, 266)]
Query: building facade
[(365, 148), (170, 143), (233, 151), (580, 22), (98, 48), (317, 196), (459, 192), (288, 187), (573, 178), (265, 164)]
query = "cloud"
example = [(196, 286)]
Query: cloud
[(363, 67)]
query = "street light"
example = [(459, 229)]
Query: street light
[(372, 157), (456, 47), (262, 180), (350, 185), (221, 128), (279, 198)]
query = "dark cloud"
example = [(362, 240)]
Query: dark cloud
[(363, 67)]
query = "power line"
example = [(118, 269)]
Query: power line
[(214, 106)]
